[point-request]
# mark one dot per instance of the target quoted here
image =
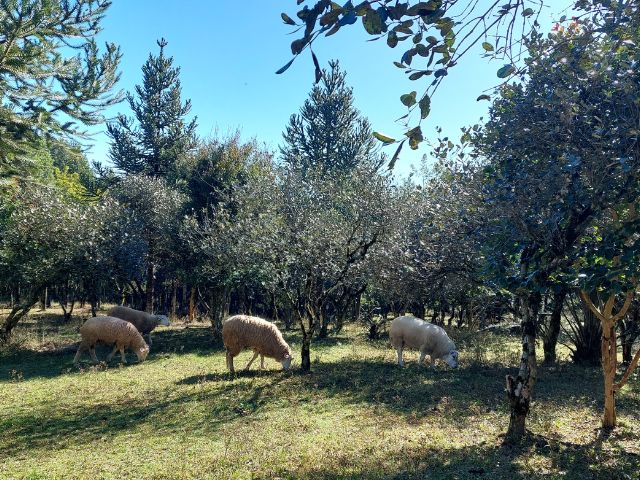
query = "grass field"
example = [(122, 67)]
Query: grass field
[(357, 415)]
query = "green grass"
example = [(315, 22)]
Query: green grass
[(357, 415)]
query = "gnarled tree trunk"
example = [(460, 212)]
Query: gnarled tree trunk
[(609, 351), (16, 314), (520, 388)]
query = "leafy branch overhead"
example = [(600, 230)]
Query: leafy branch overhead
[(436, 34), (432, 37)]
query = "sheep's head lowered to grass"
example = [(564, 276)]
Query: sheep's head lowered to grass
[(286, 361), (142, 353), (163, 320), (451, 359)]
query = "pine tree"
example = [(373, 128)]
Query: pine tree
[(329, 134), (162, 135), (52, 75)]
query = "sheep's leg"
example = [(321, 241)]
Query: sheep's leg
[(422, 355), (113, 352), (92, 352), (149, 342), (255, 355), (230, 362), (261, 362), (76, 359), (400, 362), (122, 355)]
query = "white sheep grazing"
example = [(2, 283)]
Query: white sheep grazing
[(143, 321), (263, 337), (111, 331), (426, 337)]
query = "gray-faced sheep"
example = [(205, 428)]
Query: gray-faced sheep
[(426, 337), (143, 321), (242, 331), (111, 331)]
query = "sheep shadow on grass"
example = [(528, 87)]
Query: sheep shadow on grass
[(227, 376)]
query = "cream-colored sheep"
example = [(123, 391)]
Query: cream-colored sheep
[(263, 337), (143, 321), (426, 337), (111, 331)]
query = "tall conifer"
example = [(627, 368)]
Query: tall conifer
[(162, 134), (329, 134)]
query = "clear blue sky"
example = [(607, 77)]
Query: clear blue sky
[(229, 51)]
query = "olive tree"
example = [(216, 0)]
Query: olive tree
[(154, 209), (562, 163), (329, 225), (50, 238)]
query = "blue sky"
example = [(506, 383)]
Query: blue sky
[(228, 53)]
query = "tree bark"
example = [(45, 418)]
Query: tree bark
[(43, 299), (324, 327), (306, 353), (520, 389), (15, 315), (174, 299), (550, 340), (151, 275), (219, 309), (609, 364), (609, 350), (192, 303), (307, 335)]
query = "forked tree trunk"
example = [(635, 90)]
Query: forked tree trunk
[(609, 352), (307, 335), (15, 315), (520, 388)]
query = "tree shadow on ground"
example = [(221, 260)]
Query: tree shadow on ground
[(77, 425), (459, 393), (537, 457)]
